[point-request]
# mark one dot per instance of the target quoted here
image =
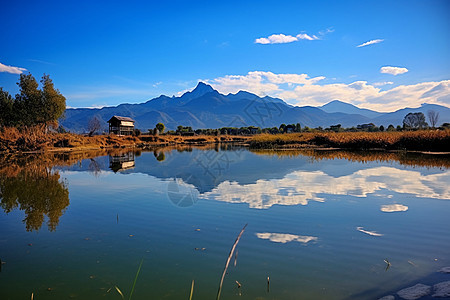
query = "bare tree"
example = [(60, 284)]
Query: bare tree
[(94, 125), (433, 117)]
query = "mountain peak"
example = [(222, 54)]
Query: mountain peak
[(200, 90), (202, 85), (337, 104)]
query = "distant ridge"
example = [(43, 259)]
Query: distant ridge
[(343, 107), (204, 107)]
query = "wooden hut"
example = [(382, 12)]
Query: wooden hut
[(121, 162), (121, 125)]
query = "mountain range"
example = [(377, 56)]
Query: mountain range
[(205, 107)]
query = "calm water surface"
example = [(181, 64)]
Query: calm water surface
[(319, 226)]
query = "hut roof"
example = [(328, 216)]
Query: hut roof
[(126, 119)]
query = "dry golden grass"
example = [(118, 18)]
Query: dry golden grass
[(35, 139)]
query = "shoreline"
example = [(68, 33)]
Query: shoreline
[(424, 142)]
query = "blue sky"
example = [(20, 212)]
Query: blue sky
[(305, 52)]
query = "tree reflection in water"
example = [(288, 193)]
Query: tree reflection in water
[(36, 190)]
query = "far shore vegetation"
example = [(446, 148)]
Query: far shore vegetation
[(29, 122)]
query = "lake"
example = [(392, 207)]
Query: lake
[(321, 224)]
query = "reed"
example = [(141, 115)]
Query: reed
[(228, 261), (135, 279)]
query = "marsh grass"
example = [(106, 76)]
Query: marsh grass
[(135, 278), (134, 283)]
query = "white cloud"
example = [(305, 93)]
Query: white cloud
[(260, 82), (393, 70), (393, 208), (283, 39), (370, 43), (285, 237), (11, 69), (277, 39), (383, 83), (304, 36), (300, 89)]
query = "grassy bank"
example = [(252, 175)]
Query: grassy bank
[(424, 140), (36, 139)]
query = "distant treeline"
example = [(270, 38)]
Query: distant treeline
[(412, 121)]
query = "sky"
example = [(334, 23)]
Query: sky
[(380, 55)]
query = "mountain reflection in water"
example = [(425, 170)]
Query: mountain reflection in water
[(228, 174)]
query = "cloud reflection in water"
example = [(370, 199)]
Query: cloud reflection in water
[(300, 187), (285, 237), (394, 208), (372, 233)]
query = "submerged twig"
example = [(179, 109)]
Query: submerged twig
[(119, 291), (411, 263), (235, 257), (192, 290), (238, 284), (228, 261), (388, 264)]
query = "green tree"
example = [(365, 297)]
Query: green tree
[(160, 127), (53, 102), (6, 108), (415, 121), (33, 106), (27, 104)]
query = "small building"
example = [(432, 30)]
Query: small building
[(121, 162), (365, 126), (121, 125)]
